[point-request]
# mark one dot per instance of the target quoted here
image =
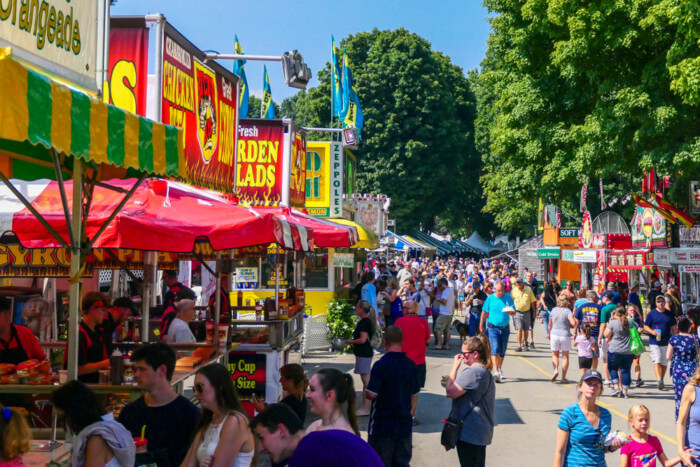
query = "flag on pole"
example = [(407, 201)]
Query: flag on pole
[(540, 215), (267, 107), (641, 202), (352, 111), (558, 212), (239, 71), (684, 218), (336, 84), (603, 204)]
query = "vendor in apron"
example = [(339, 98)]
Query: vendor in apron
[(17, 344), (92, 354)]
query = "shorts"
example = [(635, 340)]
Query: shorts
[(498, 337), (658, 354), (363, 365), (420, 373), (559, 343), (603, 350), (585, 363), (521, 320), (443, 323), (460, 298)]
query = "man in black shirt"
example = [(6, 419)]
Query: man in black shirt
[(122, 309), (92, 355), (170, 281), (392, 384), (170, 419)]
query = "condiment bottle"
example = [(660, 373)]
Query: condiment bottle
[(116, 363)]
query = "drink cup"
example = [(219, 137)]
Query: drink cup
[(658, 334), (210, 332), (62, 376), (141, 445), (223, 333), (105, 377)]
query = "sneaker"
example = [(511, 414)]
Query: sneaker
[(496, 377), (415, 421), (640, 383), (617, 392), (660, 384), (526, 347), (608, 383), (532, 346), (500, 376), (626, 396), (519, 349), (554, 377), (565, 381)]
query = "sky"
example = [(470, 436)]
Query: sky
[(458, 28)]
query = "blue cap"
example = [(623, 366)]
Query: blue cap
[(591, 374)]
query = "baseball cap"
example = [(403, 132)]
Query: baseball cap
[(476, 284), (672, 286), (591, 374), (657, 284), (608, 294), (660, 298)]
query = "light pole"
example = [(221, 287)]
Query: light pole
[(351, 138), (296, 73)]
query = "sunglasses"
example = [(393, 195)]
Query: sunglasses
[(198, 387), (599, 440)]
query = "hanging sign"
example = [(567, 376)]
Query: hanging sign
[(586, 236), (649, 229), (297, 175), (259, 167), (57, 35), (128, 65), (343, 260), (689, 237), (694, 197), (247, 278), (684, 255), (569, 233), (248, 373), (318, 178), (548, 253), (202, 100)]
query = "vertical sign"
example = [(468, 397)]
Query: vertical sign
[(128, 65), (259, 162), (297, 173), (318, 176), (248, 370), (201, 99), (336, 179)]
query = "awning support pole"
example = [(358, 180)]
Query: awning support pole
[(217, 298), (31, 208), (62, 189), (117, 210), (75, 281)]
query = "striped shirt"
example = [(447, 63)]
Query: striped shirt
[(585, 446)]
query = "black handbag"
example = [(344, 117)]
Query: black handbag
[(453, 426)]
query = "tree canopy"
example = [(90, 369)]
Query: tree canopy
[(573, 91), (418, 136)]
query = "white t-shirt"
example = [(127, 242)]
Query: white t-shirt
[(424, 303), (449, 307), (179, 332)]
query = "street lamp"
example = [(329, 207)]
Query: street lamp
[(351, 138), (296, 73)]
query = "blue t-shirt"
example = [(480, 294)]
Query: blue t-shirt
[(586, 445), (494, 307), (394, 380), (334, 447), (589, 313), (634, 299), (369, 293), (664, 321)]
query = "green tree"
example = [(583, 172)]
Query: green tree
[(254, 109), (418, 136), (573, 91)]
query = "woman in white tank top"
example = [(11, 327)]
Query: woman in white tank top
[(223, 437)]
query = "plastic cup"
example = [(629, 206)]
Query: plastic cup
[(141, 445), (105, 376), (62, 376), (210, 332), (223, 333)]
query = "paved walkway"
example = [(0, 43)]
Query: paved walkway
[(528, 406)]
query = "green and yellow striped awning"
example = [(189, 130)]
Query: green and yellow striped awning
[(40, 111)]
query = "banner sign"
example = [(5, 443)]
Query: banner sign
[(128, 65), (684, 256), (336, 195), (649, 229), (18, 261), (297, 175), (343, 260), (247, 278), (370, 214), (569, 233), (689, 237), (248, 372), (202, 100), (259, 167), (548, 253), (60, 32), (695, 268), (318, 177)]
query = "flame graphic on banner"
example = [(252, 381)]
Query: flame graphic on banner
[(245, 199)]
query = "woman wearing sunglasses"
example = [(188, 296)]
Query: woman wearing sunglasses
[(223, 437), (584, 426), (473, 395)]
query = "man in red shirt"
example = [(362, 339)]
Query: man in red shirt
[(17, 343), (416, 335)]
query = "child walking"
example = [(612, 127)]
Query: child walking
[(643, 449), (585, 342)]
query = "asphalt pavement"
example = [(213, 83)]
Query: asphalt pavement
[(528, 405)]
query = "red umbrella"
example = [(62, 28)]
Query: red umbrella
[(327, 234), (161, 215)]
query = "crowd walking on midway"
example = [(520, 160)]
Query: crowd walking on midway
[(399, 313)]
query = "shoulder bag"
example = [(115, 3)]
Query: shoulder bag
[(453, 426), (636, 343)]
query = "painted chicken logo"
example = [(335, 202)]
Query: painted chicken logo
[(206, 99)]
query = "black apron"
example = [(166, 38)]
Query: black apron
[(15, 355)]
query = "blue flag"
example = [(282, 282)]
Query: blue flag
[(268, 108), (336, 84), (239, 71), (352, 111)]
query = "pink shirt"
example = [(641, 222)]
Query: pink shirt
[(642, 454), (584, 346)]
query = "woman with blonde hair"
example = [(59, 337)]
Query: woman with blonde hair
[(473, 395), (688, 423), (560, 323), (14, 437)]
